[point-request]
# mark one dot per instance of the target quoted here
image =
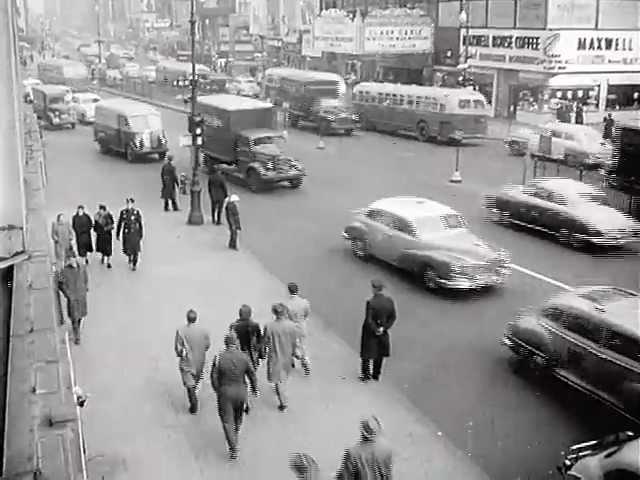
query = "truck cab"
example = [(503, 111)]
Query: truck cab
[(240, 139)]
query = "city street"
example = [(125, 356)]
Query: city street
[(446, 355)]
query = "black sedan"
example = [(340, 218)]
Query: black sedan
[(575, 212)]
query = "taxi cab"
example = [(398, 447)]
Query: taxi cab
[(589, 339)]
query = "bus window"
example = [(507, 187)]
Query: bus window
[(381, 98), (401, 100), (368, 98), (418, 103), (387, 99), (395, 100), (464, 103), (409, 102), (479, 104), (442, 108), (360, 97)]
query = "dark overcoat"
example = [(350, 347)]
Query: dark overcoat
[(82, 226), (217, 187), (170, 182), (380, 311), (130, 226), (103, 226), (75, 285)]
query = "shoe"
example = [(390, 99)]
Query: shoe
[(102, 261), (362, 378), (166, 209), (109, 265), (247, 409), (176, 209), (233, 454), (193, 410), (293, 364), (375, 379), (282, 408), (134, 268), (76, 340), (86, 261)]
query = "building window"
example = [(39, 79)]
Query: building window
[(478, 13), (449, 13), (531, 13), (624, 14), (572, 14), (501, 13)]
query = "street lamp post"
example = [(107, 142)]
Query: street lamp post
[(195, 212), (99, 21), (464, 20)]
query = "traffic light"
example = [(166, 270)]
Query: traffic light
[(197, 133)]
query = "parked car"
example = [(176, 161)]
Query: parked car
[(428, 239), (614, 457), (130, 70), (113, 77), (244, 86), (84, 106), (129, 127), (52, 105), (149, 73), (588, 338), (574, 212), (578, 146)]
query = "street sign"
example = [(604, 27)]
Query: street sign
[(185, 140)]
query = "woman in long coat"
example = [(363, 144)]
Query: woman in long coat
[(103, 226), (82, 226), (62, 236), (74, 286)]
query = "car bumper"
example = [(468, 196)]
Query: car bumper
[(61, 122), (480, 281), (268, 177), (611, 241)]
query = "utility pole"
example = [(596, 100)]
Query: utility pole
[(465, 21), (99, 21), (195, 212)]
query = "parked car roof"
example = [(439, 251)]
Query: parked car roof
[(127, 107), (52, 89), (232, 102), (412, 207), (566, 185), (617, 307)]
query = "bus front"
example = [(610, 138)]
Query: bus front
[(469, 117)]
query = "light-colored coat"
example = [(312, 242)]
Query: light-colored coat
[(280, 336), (63, 238), (191, 344)]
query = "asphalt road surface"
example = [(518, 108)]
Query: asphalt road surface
[(446, 353)]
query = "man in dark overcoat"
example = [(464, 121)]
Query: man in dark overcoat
[(130, 225), (375, 344), (217, 193), (170, 183), (103, 225), (233, 221), (608, 125), (82, 226), (75, 285)]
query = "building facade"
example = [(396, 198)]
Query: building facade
[(536, 54)]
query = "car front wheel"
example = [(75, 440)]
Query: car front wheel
[(359, 248)]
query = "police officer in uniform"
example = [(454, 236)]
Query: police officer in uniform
[(130, 225)]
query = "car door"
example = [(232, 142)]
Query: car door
[(556, 215), (540, 208), (243, 153), (525, 206), (380, 235), (403, 237), (620, 365), (121, 135), (558, 143), (372, 220)]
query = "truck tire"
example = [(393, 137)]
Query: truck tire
[(422, 131), (296, 183), (254, 182), (294, 120), (102, 148)]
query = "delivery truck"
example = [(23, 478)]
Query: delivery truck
[(240, 140)]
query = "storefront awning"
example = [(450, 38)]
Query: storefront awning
[(593, 79)]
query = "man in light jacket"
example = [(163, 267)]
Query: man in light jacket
[(233, 221), (298, 310)]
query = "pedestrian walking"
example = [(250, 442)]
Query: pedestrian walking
[(249, 336), (280, 339), (304, 466), (375, 344), (63, 238), (170, 183), (191, 344), (370, 458), (230, 370), (233, 220), (579, 114), (75, 285), (103, 224), (82, 227), (217, 193), (608, 125), (298, 309), (130, 226)]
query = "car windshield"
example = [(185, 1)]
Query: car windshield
[(88, 100), (140, 123), (247, 81), (57, 101), (269, 140), (439, 223)]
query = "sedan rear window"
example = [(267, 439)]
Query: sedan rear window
[(602, 296), (453, 220)]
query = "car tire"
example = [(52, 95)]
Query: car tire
[(73, 126), (565, 237), (348, 132), (359, 248), (497, 216), (429, 277), (296, 183), (254, 182), (367, 125), (422, 132), (102, 148), (129, 154)]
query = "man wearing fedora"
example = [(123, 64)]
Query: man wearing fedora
[(375, 344), (233, 220), (169, 179)]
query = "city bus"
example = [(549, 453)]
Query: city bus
[(431, 113), (60, 71), (168, 71), (279, 84)]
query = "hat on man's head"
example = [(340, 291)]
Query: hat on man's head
[(234, 198), (377, 284), (130, 200), (80, 207), (303, 464), (370, 427)]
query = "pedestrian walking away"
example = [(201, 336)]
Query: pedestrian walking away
[(249, 336), (74, 286), (191, 344), (608, 125), (217, 193), (304, 466), (375, 344), (82, 227), (233, 221), (298, 309), (230, 371), (280, 340), (370, 458), (63, 238), (170, 183), (130, 226), (103, 224)]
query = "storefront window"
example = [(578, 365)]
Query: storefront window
[(531, 13), (449, 13), (501, 13), (619, 14), (572, 14), (623, 97), (478, 13)]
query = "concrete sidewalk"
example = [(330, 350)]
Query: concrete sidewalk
[(136, 420)]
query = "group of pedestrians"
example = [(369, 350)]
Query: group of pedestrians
[(282, 343)]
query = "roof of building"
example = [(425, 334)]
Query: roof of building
[(412, 207), (127, 106), (224, 101)]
